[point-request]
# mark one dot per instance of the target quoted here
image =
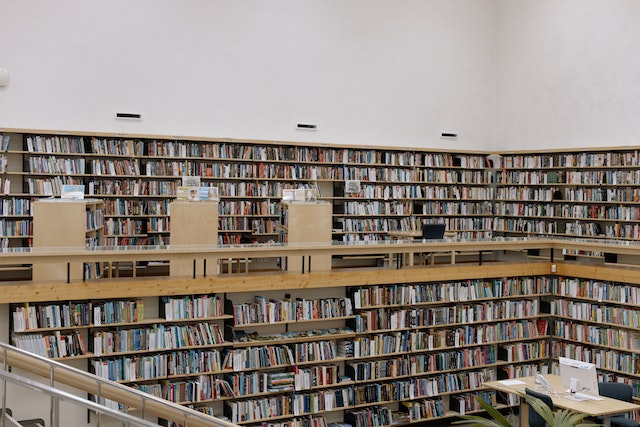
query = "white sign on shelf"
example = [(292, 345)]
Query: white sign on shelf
[(72, 192)]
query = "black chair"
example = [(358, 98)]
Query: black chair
[(433, 231), (535, 420), (620, 391)]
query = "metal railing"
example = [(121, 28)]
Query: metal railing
[(56, 373), (56, 396)]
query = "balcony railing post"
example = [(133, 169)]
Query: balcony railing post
[(4, 387)]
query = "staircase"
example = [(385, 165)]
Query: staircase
[(45, 380), (9, 421)]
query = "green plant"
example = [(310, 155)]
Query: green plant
[(557, 418)]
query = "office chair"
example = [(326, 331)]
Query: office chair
[(432, 232), (535, 420), (620, 391)]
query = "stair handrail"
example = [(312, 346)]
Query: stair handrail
[(57, 372), (59, 395)]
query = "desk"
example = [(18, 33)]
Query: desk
[(407, 257), (595, 408)]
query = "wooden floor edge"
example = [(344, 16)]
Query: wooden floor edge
[(17, 292)]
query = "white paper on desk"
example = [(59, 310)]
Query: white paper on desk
[(512, 382)]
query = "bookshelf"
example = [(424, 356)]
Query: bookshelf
[(137, 176), (597, 321), (62, 223), (567, 193), (406, 352), (563, 193)]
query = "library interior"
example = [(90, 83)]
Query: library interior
[(361, 213)]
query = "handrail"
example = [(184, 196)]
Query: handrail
[(12, 256), (68, 397), (56, 372)]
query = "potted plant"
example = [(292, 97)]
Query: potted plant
[(557, 418)]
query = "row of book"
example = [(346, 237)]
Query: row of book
[(627, 231), (117, 147), (533, 194), (240, 359), (64, 315), (259, 225), (265, 310), (5, 140), (117, 167), (416, 388), (255, 382), (124, 226), (57, 165), (315, 351), (159, 366), (38, 316), (528, 226), (550, 160), (94, 219), (132, 187), (378, 174), (570, 177), (600, 212), (158, 225), (202, 388), (609, 359), (5, 188), (142, 240), (374, 225), (238, 151), (423, 192), (192, 307), (51, 186), (159, 336), (135, 207), (117, 311), (247, 207), (375, 208), (53, 144), (468, 402), (241, 411), (473, 335), (467, 290), (351, 155), (597, 335), (457, 208), (234, 170), (458, 192), (597, 290), (55, 345), (523, 351), (391, 319), (447, 176), (592, 312), (16, 227)]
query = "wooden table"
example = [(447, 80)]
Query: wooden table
[(406, 258), (604, 408)]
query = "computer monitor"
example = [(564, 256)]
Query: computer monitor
[(579, 376), (433, 231)]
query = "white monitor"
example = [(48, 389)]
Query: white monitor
[(578, 376)]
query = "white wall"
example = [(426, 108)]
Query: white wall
[(378, 72), (569, 74)]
